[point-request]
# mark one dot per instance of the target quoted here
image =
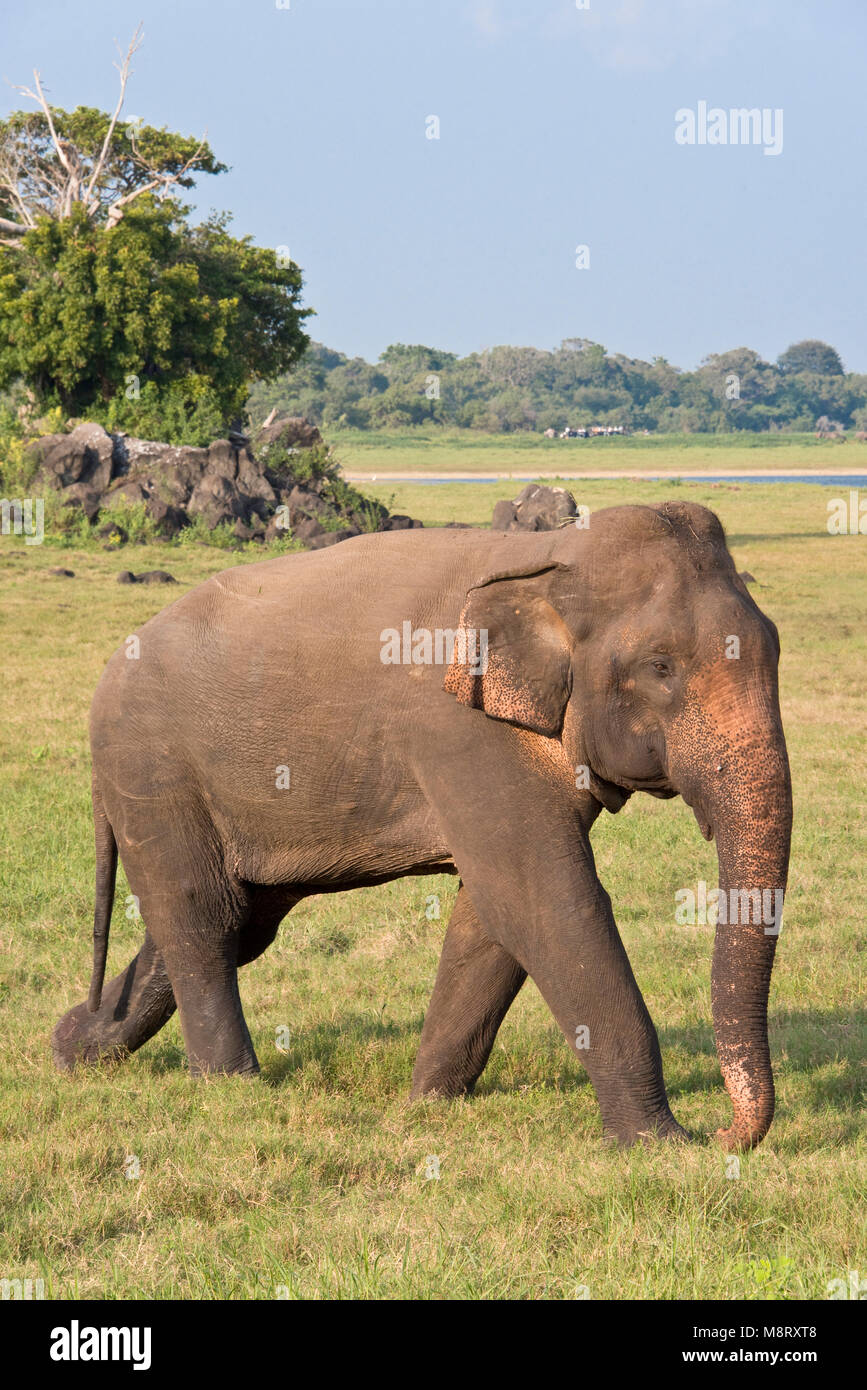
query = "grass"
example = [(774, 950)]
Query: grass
[(465, 451), (311, 1182)]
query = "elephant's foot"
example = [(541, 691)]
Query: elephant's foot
[(242, 1063), (626, 1136), (78, 1040), (630, 1117), (135, 1005), (441, 1086), (215, 1031)]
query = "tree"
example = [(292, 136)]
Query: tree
[(55, 162), (508, 388), (402, 361), (811, 355), (108, 297)]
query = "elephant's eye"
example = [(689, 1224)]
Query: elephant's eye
[(662, 667)]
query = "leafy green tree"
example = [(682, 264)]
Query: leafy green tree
[(505, 389), (811, 355), (402, 362), (89, 314), (110, 302)]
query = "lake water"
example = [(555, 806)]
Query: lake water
[(826, 479)]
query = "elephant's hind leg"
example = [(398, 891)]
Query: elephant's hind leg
[(198, 924), (138, 1001), (135, 1005), (476, 982)]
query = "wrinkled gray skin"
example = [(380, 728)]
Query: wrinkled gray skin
[(607, 650)]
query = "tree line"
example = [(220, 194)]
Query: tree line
[(507, 389)]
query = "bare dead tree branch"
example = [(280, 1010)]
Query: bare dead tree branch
[(124, 70), (47, 177), (39, 97)]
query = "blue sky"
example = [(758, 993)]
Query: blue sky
[(556, 129)]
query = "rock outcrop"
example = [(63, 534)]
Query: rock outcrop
[(537, 508), (283, 481)]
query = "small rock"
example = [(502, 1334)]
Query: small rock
[(148, 577), (156, 577), (64, 574)]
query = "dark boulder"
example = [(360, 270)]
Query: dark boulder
[(147, 577), (398, 522), (168, 518), (276, 529), (217, 499), (303, 501), (307, 528), (255, 531), (286, 432), (83, 495), (126, 493), (173, 471), (83, 456), (505, 517), (331, 538)]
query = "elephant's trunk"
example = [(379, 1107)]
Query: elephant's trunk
[(752, 821)]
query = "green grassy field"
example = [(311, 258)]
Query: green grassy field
[(440, 451), (312, 1182)]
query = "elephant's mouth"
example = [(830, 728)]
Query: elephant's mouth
[(609, 794), (614, 795)]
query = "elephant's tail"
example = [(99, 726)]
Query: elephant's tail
[(106, 872)]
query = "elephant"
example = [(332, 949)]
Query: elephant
[(446, 701)]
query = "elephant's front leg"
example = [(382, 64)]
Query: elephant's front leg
[(584, 975), (476, 982), (523, 853)]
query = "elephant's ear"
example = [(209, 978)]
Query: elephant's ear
[(512, 653)]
